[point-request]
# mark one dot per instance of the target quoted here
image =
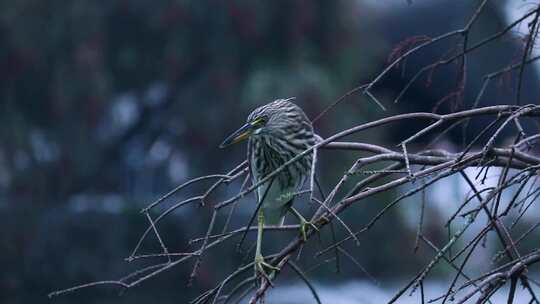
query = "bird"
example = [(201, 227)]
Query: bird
[(276, 133)]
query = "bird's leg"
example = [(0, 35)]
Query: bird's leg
[(260, 264), (303, 223)]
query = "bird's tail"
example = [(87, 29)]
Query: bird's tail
[(274, 216)]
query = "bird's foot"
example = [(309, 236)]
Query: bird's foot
[(304, 226), (261, 266)]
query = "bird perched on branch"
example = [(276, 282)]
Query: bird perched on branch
[(277, 132)]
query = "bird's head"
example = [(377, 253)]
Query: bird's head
[(273, 118)]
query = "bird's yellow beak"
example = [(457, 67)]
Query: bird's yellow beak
[(238, 136)]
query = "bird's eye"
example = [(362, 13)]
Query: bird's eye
[(259, 121)]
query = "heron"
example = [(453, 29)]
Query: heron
[(276, 133)]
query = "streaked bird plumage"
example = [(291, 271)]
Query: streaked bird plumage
[(287, 132), (277, 132)]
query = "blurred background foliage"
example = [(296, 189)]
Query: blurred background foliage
[(106, 105)]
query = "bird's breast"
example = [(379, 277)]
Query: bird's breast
[(267, 155)]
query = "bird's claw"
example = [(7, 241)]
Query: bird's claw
[(304, 225), (260, 266)]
